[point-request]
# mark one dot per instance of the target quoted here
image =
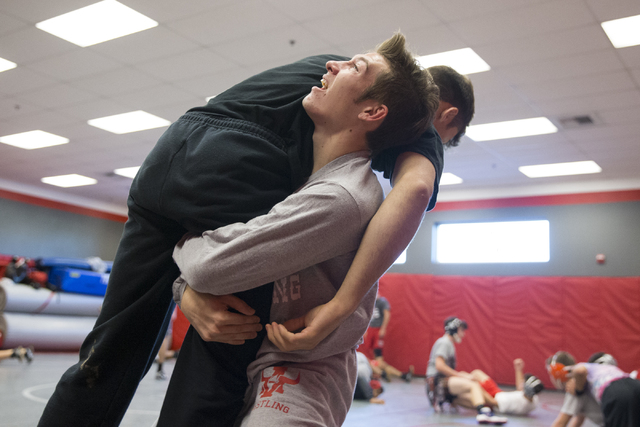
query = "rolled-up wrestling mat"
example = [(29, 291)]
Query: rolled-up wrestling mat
[(17, 298), (44, 331)]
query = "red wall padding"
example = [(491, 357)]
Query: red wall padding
[(511, 317), (179, 329)]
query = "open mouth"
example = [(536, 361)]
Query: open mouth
[(324, 83)]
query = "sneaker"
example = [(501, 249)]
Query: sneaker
[(384, 376), (28, 354), (486, 416), (408, 376), (19, 353), (160, 375)]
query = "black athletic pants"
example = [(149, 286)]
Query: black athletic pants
[(621, 403), (204, 172)]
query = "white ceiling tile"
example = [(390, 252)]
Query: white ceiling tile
[(22, 79), (96, 107), (429, 39), (580, 105), (302, 11), (9, 24), (120, 80), (213, 83), (11, 107), (548, 57), (523, 22), (186, 65), (456, 10), (74, 65), (234, 21), (57, 96), (168, 11), (630, 56), (44, 120), (156, 96), (627, 115), (31, 44), (604, 133), (606, 10), (500, 113), (507, 51), (145, 46), (578, 86), (636, 75), (372, 24), (600, 62), (272, 44), (34, 11)]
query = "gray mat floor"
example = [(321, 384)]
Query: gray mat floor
[(25, 388)]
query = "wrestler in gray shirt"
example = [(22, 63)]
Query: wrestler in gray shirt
[(305, 244)]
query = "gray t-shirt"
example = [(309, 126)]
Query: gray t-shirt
[(378, 312), (306, 245), (446, 349), (585, 405)]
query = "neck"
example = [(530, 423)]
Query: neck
[(328, 146)]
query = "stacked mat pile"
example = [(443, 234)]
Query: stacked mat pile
[(53, 320)]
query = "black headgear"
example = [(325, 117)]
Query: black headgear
[(452, 324)]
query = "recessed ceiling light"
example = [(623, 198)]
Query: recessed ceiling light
[(450, 179), (623, 32), (97, 23), (129, 122), (33, 139), (128, 172), (464, 61), (560, 169), (72, 180), (6, 65), (511, 129)]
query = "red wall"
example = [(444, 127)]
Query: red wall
[(511, 317)]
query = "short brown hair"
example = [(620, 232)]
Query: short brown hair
[(409, 93), (457, 90), (562, 357)]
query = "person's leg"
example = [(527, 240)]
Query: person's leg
[(468, 392), (621, 403), (209, 380), (489, 387), (119, 351), (198, 177)]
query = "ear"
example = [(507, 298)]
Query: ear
[(374, 113), (447, 115)]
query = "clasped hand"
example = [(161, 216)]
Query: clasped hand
[(211, 318)]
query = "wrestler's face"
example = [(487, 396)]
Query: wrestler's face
[(334, 103)]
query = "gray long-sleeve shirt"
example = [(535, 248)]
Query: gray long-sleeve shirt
[(305, 244)]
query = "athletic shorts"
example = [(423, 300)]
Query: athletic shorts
[(490, 386)]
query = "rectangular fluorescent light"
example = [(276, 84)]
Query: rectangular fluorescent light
[(97, 23), (560, 169), (464, 61), (6, 65), (623, 32), (450, 179), (72, 180), (33, 139), (511, 129), (129, 122), (127, 172)]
